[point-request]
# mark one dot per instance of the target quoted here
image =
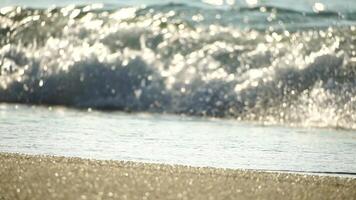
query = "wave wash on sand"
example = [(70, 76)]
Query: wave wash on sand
[(175, 59)]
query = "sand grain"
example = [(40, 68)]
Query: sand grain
[(47, 177)]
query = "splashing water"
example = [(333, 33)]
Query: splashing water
[(259, 63)]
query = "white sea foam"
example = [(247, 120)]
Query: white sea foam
[(158, 59)]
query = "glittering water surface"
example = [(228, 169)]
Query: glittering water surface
[(267, 64), (174, 140), (283, 63), (302, 5)]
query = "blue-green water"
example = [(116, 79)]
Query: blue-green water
[(287, 65), (301, 5)]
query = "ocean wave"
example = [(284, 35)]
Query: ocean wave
[(176, 59)]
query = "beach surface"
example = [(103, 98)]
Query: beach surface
[(48, 177)]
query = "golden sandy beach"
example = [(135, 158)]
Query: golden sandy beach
[(47, 177)]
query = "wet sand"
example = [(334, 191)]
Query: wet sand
[(47, 177)]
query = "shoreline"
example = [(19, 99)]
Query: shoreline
[(54, 177)]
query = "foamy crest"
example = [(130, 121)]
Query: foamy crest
[(162, 60)]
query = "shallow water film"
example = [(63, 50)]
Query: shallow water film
[(172, 139)]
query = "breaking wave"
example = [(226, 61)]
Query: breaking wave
[(271, 67)]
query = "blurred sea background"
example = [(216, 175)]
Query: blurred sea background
[(253, 84)]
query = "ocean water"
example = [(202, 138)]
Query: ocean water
[(278, 77), (172, 139)]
